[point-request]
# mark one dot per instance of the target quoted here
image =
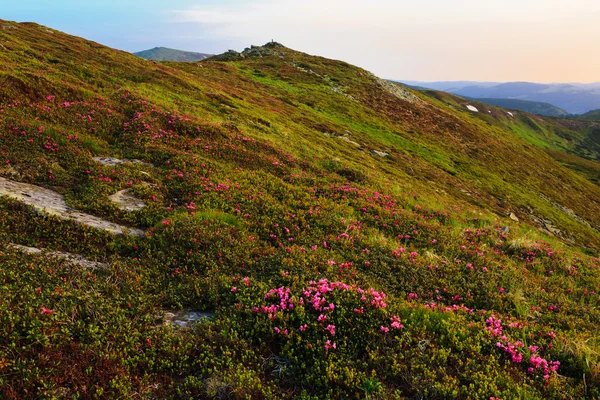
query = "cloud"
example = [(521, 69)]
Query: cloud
[(400, 38)]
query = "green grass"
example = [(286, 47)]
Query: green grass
[(252, 197)]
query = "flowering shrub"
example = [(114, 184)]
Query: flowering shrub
[(331, 272)]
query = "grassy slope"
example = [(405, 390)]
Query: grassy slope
[(254, 177), (590, 116), (166, 54)]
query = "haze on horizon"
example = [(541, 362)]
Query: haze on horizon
[(429, 40)]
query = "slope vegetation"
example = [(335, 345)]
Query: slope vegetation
[(166, 54), (343, 236), (590, 116)]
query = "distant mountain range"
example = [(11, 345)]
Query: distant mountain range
[(533, 107), (574, 98), (166, 54)]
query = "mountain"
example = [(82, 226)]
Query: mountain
[(448, 86), (272, 224), (533, 107), (166, 54), (590, 116), (575, 98)]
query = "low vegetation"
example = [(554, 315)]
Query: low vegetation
[(350, 241)]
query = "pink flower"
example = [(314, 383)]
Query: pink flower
[(396, 323), (46, 311), (331, 329), (384, 329), (165, 222), (412, 296), (234, 289), (329, 345)]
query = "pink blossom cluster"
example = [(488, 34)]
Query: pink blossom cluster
[(494, 326), (315, 297), (516, 349)]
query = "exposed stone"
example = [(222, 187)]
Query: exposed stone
[(72, 258), (513, 216), (127, 201), (396, 89), (50, 202), (472, 108), (183, 319), (379, 153), (347, 139), (338, 90), (111, 161)]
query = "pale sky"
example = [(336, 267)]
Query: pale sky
[(505, 40)]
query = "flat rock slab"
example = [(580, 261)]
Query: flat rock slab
[(54, 203), (73, 258), (379, 153), (111, 161), (127, 201), (183, 319)]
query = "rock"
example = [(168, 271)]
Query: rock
[(127, 201), (182, 319), (379, 153), (472, 108), (396, 90), (72, 258), (513, 217), (347, 139), (111, 161), (48, 201)]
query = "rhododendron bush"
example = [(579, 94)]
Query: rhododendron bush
[(283, 255)]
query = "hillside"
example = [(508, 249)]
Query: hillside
[(533, 107), (166, 54), (590, 116), (333, 235)]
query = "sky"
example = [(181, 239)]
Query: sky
[(425, 40)]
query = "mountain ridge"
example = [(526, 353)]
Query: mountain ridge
[(575, 98), (168, 54)]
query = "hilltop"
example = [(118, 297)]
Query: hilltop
[(272, 224), (166, 54), (590, 116)]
